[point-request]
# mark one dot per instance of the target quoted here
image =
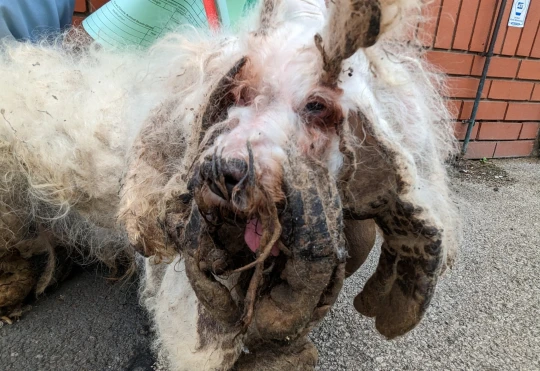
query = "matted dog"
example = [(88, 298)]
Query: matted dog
[(244, 171)]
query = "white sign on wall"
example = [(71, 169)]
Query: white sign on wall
[(519, 13)]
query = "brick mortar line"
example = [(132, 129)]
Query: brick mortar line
[(494, 149), (488, 93), (474, 25), (490, 122), (425, 20), (519, 40), (506, 25), (495, 78), (534, 42), (456, 22), (534, 38), (521, 131), (516, 122), (470, 52), (439, 14), (492, 26), (487, 99), (498, 140), (479, 54)]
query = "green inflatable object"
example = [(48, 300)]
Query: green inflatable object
[(121, 23), (237, 8)]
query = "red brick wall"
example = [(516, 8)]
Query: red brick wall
[(83, 8), (457, 33)]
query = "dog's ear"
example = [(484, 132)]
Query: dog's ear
[(351, 25), (274, 13), (142, 193), (161, 148), (355, 24), (386, 187), (360, 238), (221, 99), (268, 16)]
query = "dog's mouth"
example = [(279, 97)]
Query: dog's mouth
[(237, 230), (225, 241), (249, 235), (227, 192), (253, 234)]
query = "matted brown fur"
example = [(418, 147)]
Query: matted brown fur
[(17, 278)]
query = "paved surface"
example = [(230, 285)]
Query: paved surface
[(486, 311), (85, 324), (485, 315)]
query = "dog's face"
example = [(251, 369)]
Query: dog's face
[(274, 165), (278, 109), (271, 112), (263, 191), (276, 115), (264, 184)]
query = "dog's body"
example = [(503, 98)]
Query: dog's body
[(98, 151)]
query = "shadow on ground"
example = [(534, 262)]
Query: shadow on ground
[(86, 323)]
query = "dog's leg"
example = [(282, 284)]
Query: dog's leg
[(17, 278), (188, 337), (299, 356), (17, 274)]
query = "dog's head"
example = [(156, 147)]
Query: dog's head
[(314, 121)]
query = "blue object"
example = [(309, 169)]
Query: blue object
[(34, 19)]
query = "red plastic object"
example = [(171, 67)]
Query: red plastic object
[(211, 14)]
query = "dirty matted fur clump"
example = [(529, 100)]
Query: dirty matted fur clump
[(244, 168)]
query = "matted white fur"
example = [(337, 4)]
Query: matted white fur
[(168, 296)]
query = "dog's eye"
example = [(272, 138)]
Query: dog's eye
[(318, 112), (315, 107), (321, 110)]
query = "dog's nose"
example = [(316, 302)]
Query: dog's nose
[(222, 176)]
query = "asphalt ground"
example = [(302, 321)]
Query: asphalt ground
[(485, 314)]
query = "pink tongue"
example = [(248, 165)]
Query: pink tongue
[(253, 235)]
